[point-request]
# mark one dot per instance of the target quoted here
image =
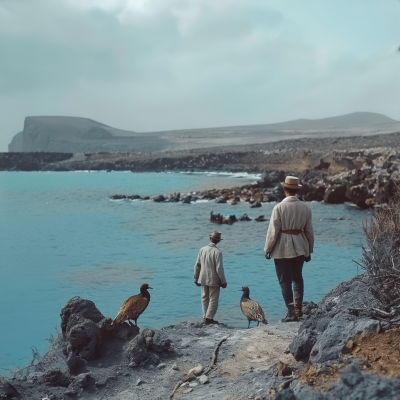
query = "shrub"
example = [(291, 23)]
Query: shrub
[(381, 256)]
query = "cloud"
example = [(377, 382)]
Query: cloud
[(156, 65)]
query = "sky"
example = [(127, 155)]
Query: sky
[(149, 65)]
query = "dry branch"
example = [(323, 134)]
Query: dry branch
[(191, 377)]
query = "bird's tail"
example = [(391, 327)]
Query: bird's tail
[(117, 319)]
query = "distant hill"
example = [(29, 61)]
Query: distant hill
[(73, 134)]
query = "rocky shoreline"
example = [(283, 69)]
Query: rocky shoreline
[(366, 179), (327, 355), (333, 171)]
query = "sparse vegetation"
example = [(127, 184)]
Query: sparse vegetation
[(381, 256)]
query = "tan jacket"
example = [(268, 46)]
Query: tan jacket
[(212, 269), (291, 213)]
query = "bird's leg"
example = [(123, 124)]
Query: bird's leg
[(136, 322), (258, 323), (129, 322), (249, 325)]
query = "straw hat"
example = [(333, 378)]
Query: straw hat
[(291, 182), (216, 235)]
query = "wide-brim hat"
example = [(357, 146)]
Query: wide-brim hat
[(291, 182), (216, 235)]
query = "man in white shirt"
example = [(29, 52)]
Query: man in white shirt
[(290, 241), (209, 274)]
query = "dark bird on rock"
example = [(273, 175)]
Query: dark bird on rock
[(133, 306), (250, 308)]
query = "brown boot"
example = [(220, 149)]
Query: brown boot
[(298, 304), (210, 321), (290, 314)]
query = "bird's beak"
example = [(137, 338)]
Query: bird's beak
[(149, 287), (241, 290)]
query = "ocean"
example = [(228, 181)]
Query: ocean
[(61, 236)]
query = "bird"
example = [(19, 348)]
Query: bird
[(250, 308), (133, 306)]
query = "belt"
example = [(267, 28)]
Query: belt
[(293, 231)]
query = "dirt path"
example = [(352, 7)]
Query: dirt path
[(258, 351)]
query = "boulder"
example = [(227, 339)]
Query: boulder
[(308, 306), (311, 192), (82, 380), (7, 391), (76, 305), (55, 378), (265, 180), (302, 344), (85, 330), (244, 217), (335, 194), (160, 342), (187, 199), (83, 336), (387, 191), (136, 350), (342, 328), (75, 363), (358, 194), (324, 334), (158, 199), (121, 331), (139, 349), (256, 205)]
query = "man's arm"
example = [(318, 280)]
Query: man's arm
[(274, 228), (220, 268), (197, 268), (309, 233)]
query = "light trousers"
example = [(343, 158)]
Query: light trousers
[(209, 300)]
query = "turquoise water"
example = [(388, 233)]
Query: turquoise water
[(61, 236)]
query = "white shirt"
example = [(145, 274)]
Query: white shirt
[(291, 213), (212, 269)]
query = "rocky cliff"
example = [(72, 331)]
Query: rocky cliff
[(72, 134)]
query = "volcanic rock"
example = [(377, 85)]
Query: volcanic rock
[(358, 194), (55, 378), (7, 391), (77, 305), (335, 194)]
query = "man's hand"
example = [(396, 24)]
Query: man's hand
[(196, 283), (224, 285), (307, 259), (268, 256)]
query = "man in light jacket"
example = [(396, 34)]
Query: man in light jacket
[(209, 274), (290, 241)]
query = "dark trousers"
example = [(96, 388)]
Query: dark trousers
[(290, 270)]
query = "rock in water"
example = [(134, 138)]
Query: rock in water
[(250, 308), (133, 306)]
